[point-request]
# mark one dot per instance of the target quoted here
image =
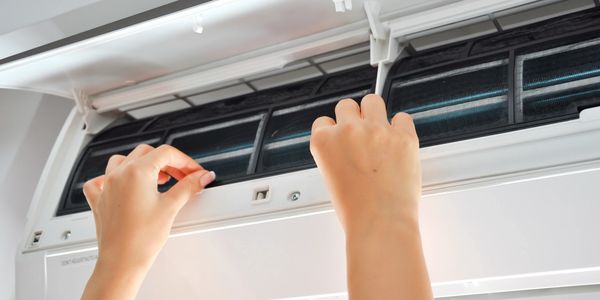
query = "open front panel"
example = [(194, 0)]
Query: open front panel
[(500, 82), (240, 138)]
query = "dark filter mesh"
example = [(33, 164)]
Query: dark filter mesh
[(120, 130), (561, 67), (77, 198), (286, 157), (429, 102), (299, 123), (228, 168), (230, 138), (95, 161), (295, 125), (541, 30), (451, 90), (561, 103), (462, 122), (504, 40), (430, 58), (351, 78)]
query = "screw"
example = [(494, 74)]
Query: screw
[(294, 196), (66, 235)]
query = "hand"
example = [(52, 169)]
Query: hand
[(373, 173), (133, 219), (371, 168)]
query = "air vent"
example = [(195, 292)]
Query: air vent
[(558, 81), (506, 81), (457, 102), (226, 148), (286, 141), (240, 138)]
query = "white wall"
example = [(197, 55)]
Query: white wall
[(29, 124)]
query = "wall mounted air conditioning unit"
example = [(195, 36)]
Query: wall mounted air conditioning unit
[(504, 94)]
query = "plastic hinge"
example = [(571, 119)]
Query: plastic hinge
[(94, 122)]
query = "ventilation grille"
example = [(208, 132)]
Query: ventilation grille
[(240, 138), (456, 102), (529, 82), (559, 81)]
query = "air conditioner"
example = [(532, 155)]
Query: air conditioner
[(504, 94)]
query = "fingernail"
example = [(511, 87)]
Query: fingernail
[(207, 178)]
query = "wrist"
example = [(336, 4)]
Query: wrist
[(119, 269), (386, 224)]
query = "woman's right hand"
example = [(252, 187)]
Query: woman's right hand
[(371, 167), (373, 174)]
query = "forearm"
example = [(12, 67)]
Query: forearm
[(114, 281), (385, 261)]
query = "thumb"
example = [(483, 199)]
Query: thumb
[(187, 187)]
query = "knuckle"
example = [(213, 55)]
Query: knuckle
[(402, 116), (87, 186), (142, 147), (372, 98), (132, 171), (407, 140), (114, 158), (321, 119), (166, 149), (345, 102), (110, 179), (348, 129), (318, 138), (378, 131)]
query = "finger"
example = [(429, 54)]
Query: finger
[(168, 156), (92, 190), (113, 162), (347, 111), (404, 122), (187, 187), (163, 178), (139, 151), (175, 173), (372, 108), (322, 122)]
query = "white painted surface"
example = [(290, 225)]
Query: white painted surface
[(533, 234), (28, 24), (29, 124), (167, 46), (228, 92), (162, 108)]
